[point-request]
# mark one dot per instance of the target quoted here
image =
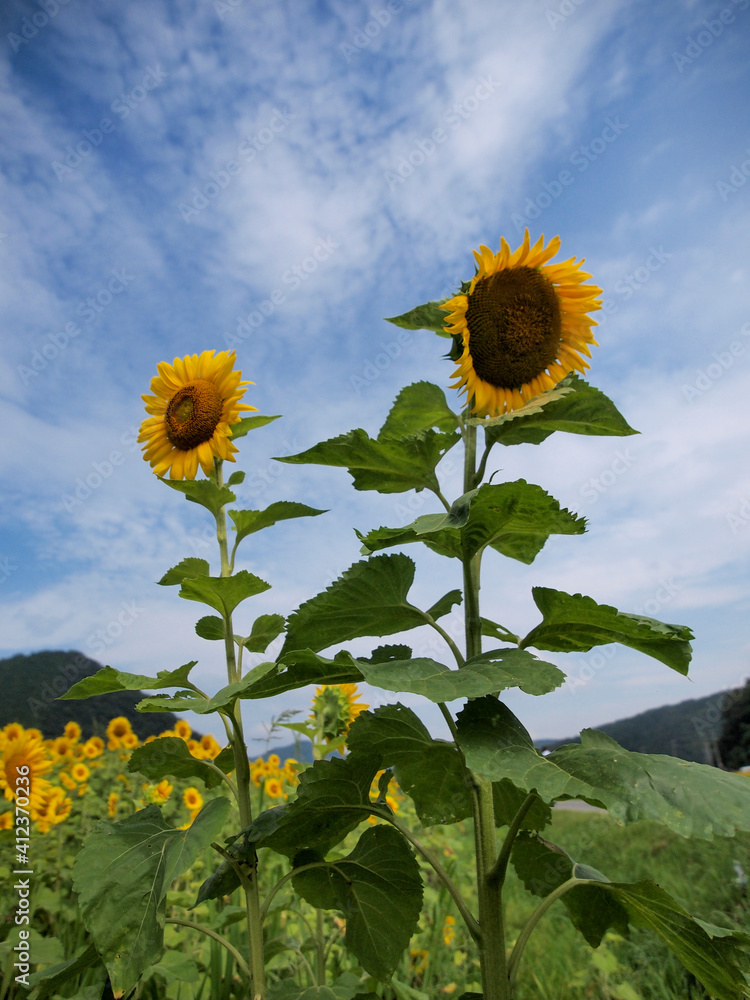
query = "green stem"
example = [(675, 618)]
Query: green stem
[(217, 937), (242, 774), (441, 631), (497, 873), (468, 917), (441, 498), (533, 920), (320, 948), (471, 563)]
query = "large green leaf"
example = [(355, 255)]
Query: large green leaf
[(489, 672), (575, 623), (50, 981), (496, 745), (595, 904), (122, 875), (379, 890), (108, 679), (429, 771), (203, 491), (246, 522), (425, 317), (368, 599), (573, 406), (514, 518), (418, 407), (223, 593), (169, 756), (333, 797), (388, 465), (694, 800), (301, 667)]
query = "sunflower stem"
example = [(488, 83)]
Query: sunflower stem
[(242, 773), (492, 956)]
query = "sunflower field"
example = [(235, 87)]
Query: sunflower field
[(396, 865)]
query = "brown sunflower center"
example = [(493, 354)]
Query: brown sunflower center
[(193, 414), (514, 326)]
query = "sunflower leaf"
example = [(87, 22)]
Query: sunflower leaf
[(693, 800), (367, 599), (573, 406), (169, 756), (418, 407), (445, 604), (333, 798), (248, 521), (446, 542), (210, 627), (379, 888), (299, 668), (265, 629), (223, 593), (203, 491), (247, 424), (596, 904), (514, 518), (487, 673), (429, 771), (389, 465), (122, 875), (223, 700), (575, 623), (425, 317), (185, 570), (108, 679)]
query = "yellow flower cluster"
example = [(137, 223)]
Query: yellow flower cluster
[(206, 748), (26, 760), (271, 775)]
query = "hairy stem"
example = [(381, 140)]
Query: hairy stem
[(533, 920)]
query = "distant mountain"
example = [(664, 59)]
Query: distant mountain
[(31, 684), (689, 730)]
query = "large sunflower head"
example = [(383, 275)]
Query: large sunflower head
[(521, 325), (196, 400)]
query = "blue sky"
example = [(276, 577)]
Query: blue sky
[(172, 168)]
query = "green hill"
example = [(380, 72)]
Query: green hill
[(31, 684), (689, 730)]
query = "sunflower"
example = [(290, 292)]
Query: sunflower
[(195, 401), (94, 747), (162, 791), (27, 752), (55, 809), (274, 788), (79, 773), (335, 707), (112, 799), (521, 326), (130, 741), (72, 731), (192, 799), (209, 747), (117, 728), (182, 729)]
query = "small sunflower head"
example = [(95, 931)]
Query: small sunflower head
[(520, 326), (195, 401), (334, 708)]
